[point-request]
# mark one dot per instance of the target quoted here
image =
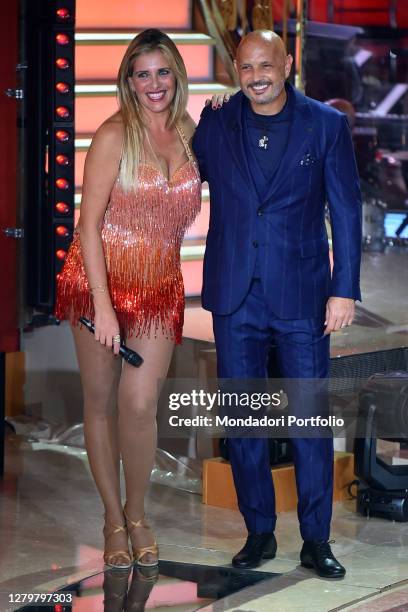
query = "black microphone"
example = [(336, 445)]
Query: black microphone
[(128, 355)]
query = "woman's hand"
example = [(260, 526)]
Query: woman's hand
[(217, 100), (106, 324)]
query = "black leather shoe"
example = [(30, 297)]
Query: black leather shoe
[(258, 546), (317, 555)]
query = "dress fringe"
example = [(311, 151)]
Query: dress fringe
[(141, 235)]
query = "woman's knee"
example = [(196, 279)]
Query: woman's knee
[(100, 401), (141, 410)]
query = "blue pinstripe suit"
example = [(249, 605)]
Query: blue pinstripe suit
[(284, 228)]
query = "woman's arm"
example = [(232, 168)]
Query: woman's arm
[(101, 170)]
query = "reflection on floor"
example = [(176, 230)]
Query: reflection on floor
[(171, 586), (50, 533)]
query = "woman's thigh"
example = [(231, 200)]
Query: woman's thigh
[(142, 385), (99, 368)]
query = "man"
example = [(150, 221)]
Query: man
[(272, 158)]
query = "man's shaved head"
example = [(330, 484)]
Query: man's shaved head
[(263, 37), (263, 65)]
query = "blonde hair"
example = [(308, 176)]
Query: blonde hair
[(145, 42)]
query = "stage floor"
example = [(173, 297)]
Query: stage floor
[(381, 320), (50, 529)]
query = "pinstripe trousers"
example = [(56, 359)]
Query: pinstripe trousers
[(243, 340)]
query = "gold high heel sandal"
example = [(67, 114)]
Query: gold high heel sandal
[(109, 530), (140, 552)]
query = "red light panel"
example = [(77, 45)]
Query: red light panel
[(62, 208), (62, 39), (62, 135), (62, 183), (63, 13), (62, 63), (62, 112), (61, 254)]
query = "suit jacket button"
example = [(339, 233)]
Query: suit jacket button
[(260, 213), (255, 244)]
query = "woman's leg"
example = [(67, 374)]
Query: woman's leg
[(100, 374), (137, 402)]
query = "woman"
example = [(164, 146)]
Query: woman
[(141, 191)]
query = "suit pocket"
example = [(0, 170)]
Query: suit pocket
[(311, 248)]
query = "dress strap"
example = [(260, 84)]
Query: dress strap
[(184, 141)]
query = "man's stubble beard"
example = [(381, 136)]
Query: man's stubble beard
[(277, 89)]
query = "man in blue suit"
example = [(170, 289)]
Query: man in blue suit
[(273, 158)]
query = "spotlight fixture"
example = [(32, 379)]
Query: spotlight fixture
[(62, 135), (62, 183), (62, 208), (383, 415), (62, 39), (62, 112), (63, 14), (60, 254), (62, 160), (62, 88), (62, 230), (62, 63)]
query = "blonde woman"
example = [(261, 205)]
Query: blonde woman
[(141, 191)]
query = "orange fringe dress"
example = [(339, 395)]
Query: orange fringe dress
[(142, 234)]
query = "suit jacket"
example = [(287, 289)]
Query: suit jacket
[(285, 224)]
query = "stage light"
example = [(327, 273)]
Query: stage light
[(61, 230), (62, 63), (63, 13), (62, 112), (62, 183), (62, 88), (383, 415), (62, 160), (61, 254), (62, 208), (62, 135), (62, 39), (50, 48)]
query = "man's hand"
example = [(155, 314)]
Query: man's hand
[(339, 313)]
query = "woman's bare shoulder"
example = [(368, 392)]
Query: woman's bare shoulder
[(110, 133)]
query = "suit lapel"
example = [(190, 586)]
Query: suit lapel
[(300, 135), (232, 123)]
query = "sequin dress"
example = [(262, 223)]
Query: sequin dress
[(142, 234)]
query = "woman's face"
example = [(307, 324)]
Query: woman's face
[(153, 81)]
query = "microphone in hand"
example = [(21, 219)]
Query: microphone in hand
[(128, 354)]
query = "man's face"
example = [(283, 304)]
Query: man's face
[(262, 68)]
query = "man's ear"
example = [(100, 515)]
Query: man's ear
[(288, 65), (235, 65)]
